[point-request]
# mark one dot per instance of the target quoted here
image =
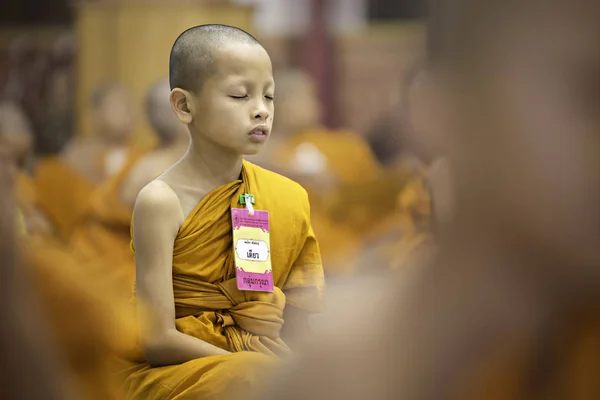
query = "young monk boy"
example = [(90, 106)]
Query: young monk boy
[(65, 183), (211, 320)]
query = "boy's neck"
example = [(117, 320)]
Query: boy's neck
[(213, 164)]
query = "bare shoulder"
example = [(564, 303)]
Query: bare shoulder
[(158, 201), (140, 175)]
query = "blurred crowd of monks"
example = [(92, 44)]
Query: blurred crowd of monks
[(515, 299)]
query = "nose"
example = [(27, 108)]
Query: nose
[(261, 112)]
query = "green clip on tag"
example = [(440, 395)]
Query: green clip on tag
[(243, 198)]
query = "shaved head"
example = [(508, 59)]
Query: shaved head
[(192, 57)]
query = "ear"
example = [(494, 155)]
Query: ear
[(182, 104)]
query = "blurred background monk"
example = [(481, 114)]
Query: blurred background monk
[(101, 240), (87, 326), (17, 139), (510, 309), (302, 146), (407, 233), (67, 331), (65, 183), (106, 152), (173, 142)]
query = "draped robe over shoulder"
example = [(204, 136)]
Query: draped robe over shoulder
[(211, 308)]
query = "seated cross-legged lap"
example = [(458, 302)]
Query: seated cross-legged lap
[(225, 251)]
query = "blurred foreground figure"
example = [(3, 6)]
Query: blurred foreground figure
[(31, 368), (405, 238), (69, 328), (511, 310)]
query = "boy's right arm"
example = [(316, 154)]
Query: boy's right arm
[(157, 217)]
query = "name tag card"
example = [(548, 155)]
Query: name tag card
[(251, 246)]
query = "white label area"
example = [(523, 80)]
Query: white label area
[(252, 250)]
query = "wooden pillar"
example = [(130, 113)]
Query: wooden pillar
[(318, 59), (129, 42)]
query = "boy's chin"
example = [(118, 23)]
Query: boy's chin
[(253, 150)]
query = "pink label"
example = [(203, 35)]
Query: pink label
[(251, 246), (240, 217)]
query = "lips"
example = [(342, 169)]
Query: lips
[(259, 131)]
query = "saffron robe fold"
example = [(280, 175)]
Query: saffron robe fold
[(211, 308), (399, 238), (92, 326), (63, 194)]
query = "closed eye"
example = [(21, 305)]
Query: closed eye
[(269, 97), (239, 97)]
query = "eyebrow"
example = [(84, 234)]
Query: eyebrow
[(245, 82)]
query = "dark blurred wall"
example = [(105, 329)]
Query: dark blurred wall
[(381, 10), (35, 12)]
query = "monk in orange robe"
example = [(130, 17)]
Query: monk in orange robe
[(86, 346), (100, 241), (425, 200), (72, 358), (511, 307), (202, 336), (91, 336), (65, 183), (304, 148), (31, 368)]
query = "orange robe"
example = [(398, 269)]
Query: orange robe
[(402, 234), (211, 308), (91, 324), (91, 327), (64, 194), (20, 222), (360, 209), (416, 219), (25, 193), (101, 241)]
